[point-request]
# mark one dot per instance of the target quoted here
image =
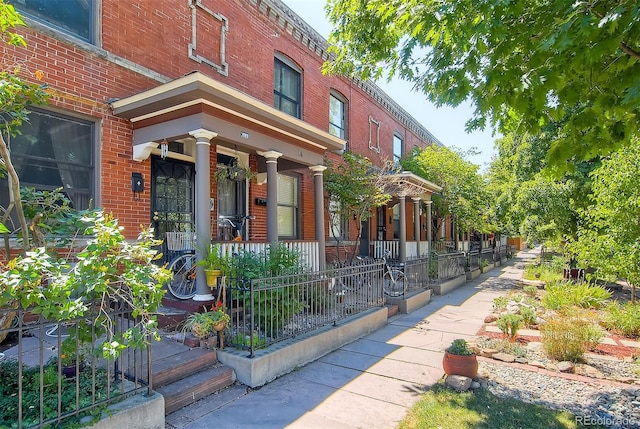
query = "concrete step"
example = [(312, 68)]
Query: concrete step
[(178, 366), (196, 386)]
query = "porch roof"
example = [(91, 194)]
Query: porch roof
[(197, 93), (406, 183)]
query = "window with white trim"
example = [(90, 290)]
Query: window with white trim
[(287, 87), (337, 115), (288, 206), (56, 151), (75, 17)]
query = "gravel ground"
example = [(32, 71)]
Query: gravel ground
[(591, 403)]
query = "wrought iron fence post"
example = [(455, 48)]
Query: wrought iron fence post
[(252, 316)]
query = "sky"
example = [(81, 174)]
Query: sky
[(447, 124)]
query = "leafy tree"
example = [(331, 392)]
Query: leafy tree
[(523, 64), (608, 237), (15, 95), (463, 195), (354, 187)]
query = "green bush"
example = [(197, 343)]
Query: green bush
[(528, 315), (568, 337), (500, 303), (530, 291), (624, 319), (509, 324), (565, 294)]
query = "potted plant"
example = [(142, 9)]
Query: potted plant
[(203, 325), (460, 359), (234, 172), (215, 264)]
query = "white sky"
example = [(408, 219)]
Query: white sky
[(445, 123)]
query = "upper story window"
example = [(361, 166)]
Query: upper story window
[(288, 206), (75, 17), (56, 151), (287, 87), (337, 116), (398, 148)]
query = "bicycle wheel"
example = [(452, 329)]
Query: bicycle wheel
[(394, 282), (183, 283)]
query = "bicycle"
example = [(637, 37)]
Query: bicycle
[(183, 283), (229, 227), (394, 282)]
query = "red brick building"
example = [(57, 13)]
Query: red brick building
[(151, 98)]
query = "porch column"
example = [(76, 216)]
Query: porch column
[(319, 213), (416, 223), (203, 216), (403, 229), (272, 194), (428, 203)]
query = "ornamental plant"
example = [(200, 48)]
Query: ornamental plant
[(460, 347)]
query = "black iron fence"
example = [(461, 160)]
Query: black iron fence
[(269, 310), (50, 377)]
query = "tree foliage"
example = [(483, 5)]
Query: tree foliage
[(522, 64), (610, 225), (463, 195), (354, 187)]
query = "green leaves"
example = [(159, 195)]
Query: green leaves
[(524, 65)]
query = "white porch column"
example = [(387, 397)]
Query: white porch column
[(416, 223), (428, 203), (318, 209), (402, 234), (272, 194), (203, 216)]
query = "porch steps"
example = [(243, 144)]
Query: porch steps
[(392, 310), (188, 376)]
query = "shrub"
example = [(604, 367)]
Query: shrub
[(509, 325), (624, 319), (569, 336), (504, 346), (500, 303), (566, 294), (528, 315), (530, 290)]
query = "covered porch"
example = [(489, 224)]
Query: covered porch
[(197, 120)]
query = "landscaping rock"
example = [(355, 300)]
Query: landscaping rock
[(534, 346), (475, 385), (537, 364), (566, 366), (488, 352), (552, 367), (504, 357), (588, 371), (626, 380), (522, 360), (491, 318), (459, 383)]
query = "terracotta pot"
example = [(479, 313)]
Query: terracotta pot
[(460, 365), (219, 326)]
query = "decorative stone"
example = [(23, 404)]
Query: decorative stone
[(522, 360), (534, 346), (626, 380), (488, 352), (588, 371), (537, 364), (552, 367), (504, 357), (475, 385), (459, 383), (565, 366), (491, 318)]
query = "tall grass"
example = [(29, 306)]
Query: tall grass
[(623, 319), (566, 294)]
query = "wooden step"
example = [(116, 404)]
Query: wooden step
[(392, 309), (180, 365), (190, 389)]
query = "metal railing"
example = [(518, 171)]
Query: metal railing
[(41, 387), (420, 273), (450, 266), (266, 311), (473, 260)]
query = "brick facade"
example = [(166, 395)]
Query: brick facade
[(144, 44)]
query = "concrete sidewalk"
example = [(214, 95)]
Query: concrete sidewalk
[(369, 383)]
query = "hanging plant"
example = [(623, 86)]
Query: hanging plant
[(234, 172)]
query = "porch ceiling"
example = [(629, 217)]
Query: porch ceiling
[(178, 98), (409, 184)]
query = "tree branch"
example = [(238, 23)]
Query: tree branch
[(627, 50)]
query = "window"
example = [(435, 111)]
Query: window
[(336, 223), (396, 222), (398, 146), (56, 151), (288, 206), (287, 88), (75, 17), (337, 116)]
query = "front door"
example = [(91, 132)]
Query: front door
[(172, 197), (231, 204)]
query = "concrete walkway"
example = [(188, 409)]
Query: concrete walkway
[(369, 383)]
